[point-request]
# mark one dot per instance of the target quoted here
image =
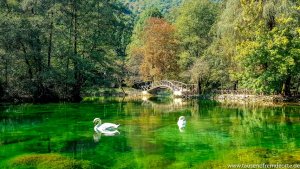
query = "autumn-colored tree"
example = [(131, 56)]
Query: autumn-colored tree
[(160, 51), (134, 48)]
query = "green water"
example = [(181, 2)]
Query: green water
[(216, 135)]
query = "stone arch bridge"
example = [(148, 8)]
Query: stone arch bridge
[(179, 89)]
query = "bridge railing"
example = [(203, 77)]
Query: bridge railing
[(171, 84), (187, 89)]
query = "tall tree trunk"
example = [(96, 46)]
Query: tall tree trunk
[(27, 61), (50, 41), (42, 94), (199, 86), (287, 86), (298, 87), (271, 22), (67, 85), (1, 91), (235, 85), (77, 72), (6, 73)]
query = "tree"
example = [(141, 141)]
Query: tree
[(159, 50), (56, 48), (222, 50), (270, 55), (134, 52), (138, 6), (193, 25), (255, 46)]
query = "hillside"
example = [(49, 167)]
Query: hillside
[(136, 6)]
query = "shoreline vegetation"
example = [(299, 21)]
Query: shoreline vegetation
[(255, 99), (132, 94)]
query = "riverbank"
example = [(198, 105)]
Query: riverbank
[(243, 98), (95, 93), (112, 92), (89, 93)]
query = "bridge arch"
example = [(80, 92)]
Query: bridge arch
[(178, 88), (177, 93)]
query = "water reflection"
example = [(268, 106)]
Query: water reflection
[(165, 104), (97, 135), (149, 134)]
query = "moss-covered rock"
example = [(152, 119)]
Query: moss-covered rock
[(47, 161)]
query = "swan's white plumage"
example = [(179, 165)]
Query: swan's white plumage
[(181, 123), (106, 128)]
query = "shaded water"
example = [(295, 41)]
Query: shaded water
[(216, 135)]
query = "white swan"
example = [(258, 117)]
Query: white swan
[(108, 129), (181, 123)]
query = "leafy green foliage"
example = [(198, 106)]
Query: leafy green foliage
[(138, 6), (269, 54), (50, 50), (255, 46), (193, 24)]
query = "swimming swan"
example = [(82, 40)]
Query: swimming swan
[(181, 123), (105, 128)]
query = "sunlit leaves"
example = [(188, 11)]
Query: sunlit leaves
[(193, 25), (159, 50)]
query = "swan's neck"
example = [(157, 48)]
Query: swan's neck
[(99, 124)]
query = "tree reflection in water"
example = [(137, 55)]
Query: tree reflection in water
[(149, 135)]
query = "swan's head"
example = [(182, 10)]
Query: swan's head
[(97, 121), (182, 118)]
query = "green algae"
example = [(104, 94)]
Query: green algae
[(47, 161), (216, 135), (253, 156)]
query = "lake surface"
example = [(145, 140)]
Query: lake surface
[(216, 135)]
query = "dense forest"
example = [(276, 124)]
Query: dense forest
[(50, 50), (233, 44), (53, 50), (138, 6)]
